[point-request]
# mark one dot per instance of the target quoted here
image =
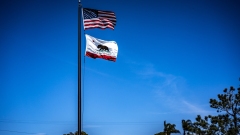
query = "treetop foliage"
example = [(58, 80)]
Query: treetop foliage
[(227, 122)]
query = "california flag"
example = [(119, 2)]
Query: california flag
[(98, 48)]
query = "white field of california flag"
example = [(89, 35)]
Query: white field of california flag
[(98, 48)]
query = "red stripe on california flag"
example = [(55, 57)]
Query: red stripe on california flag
[(106, 57)]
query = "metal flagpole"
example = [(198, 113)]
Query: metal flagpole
[(79, 69)]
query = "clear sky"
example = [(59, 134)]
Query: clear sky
[(174, 55)]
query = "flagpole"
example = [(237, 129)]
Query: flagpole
[(79, 70)]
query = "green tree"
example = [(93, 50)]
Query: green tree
[(70, 133), (83, 133), (227, 122), (160, 133), (229, 103), (168, 129), (76, 133), (186, 126)]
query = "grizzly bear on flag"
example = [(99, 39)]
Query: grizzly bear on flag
[(103, 48)]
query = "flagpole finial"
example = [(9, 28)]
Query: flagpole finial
[(79, 3)]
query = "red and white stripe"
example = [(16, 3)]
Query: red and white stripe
[(106, 19)]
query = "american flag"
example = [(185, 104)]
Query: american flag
[(98, 19)]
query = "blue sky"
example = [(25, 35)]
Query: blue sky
[(174, 55)]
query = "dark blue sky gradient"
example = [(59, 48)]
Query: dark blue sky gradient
[(174, 55)]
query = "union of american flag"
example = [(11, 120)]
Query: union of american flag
[(98, 19)]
